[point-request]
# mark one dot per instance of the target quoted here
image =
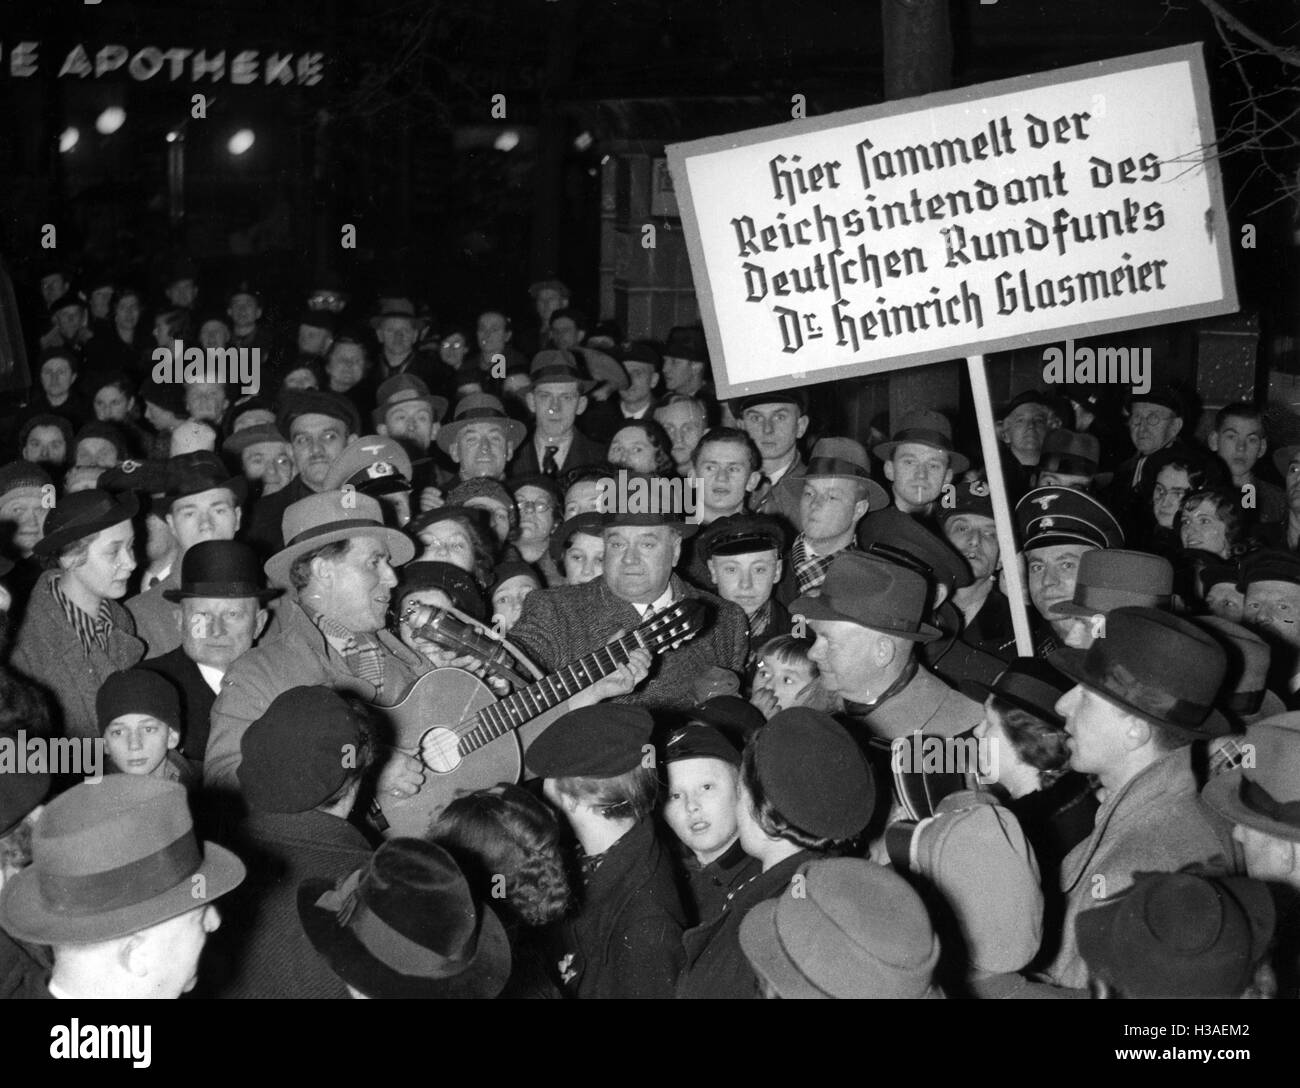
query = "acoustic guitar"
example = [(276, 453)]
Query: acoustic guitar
[(467, 737)]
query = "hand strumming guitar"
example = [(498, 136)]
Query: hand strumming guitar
[(621, 681), (402, 775)]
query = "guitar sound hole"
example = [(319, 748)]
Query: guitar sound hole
[(438, 749)]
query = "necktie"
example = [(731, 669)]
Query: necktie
[(549, 466)]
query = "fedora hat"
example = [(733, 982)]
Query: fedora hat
[(82, 514), (1111, 578), (1070, 452), (192, 473), (251, 436), (875, 593), (602, 367), (328, 516), (1030, 683), (1245, 697), (843, 457), (1179, 934), (402, 389), (687, 342), (398, 307), (929, 429), (111, 858), (220, 568), (556, 366), (1156, 665), (407, 925), (1265, 796), (857, 931), (479, 408)]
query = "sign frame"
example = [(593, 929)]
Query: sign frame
[(1191, 54)]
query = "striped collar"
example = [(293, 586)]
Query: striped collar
[(91, 631)]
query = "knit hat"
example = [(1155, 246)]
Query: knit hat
[(23, 476), (138, 691)]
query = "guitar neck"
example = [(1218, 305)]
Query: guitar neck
[(515, 710)]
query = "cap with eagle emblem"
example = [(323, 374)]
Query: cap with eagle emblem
[(1062, 515), (373, 465)]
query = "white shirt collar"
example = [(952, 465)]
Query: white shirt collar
[(659, 604), (561, 447), (211, 676)]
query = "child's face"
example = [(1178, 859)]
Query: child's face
[(786, 682), (701, 806), (138, 743)]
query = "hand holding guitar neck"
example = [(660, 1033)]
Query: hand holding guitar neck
[(621, 681)]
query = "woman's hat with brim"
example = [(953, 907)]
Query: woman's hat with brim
[(113, 857), (329, 516), (407, 925), (1155, 665), (590, 524), (1030, 683), (603, 368), (82, 514)]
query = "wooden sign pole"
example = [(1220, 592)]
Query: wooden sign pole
[(979, 384)]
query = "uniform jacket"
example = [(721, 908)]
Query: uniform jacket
[(48, 651), (625, 941), (562, 624), (298, 654), (715, 964), (925, 705), (708, 886), (582, 451), (196, 700), (1155, 822), (282, 849), (157, 620)]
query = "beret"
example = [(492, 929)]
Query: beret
[(601, 741), (814, 774), (295, 756)]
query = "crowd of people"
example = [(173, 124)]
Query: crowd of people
[(774, 737)]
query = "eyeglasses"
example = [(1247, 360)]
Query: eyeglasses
[(1160, 491), (526, 506)]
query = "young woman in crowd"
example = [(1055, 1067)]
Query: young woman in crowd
[(459, 535), (507, 844), (642, 445)]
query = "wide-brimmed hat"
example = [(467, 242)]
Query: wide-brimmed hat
[(479, 408), (556, 366), (857, 930), (1030, 683), (371, 464), (1179, 935), (402, 389), (1047, 516), (82, 514), (222, 569), (875, 593), (407, 925), (929, 429), (326, 517), (602, 367), (1111, 578), (844, 457), (399, 307), (193, 473), (113, 857), (1265, 796), (1155, 665)]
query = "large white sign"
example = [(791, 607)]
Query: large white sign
[(1070, 203)]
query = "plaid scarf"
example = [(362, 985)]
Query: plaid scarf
[(809, 569), (364, 653), (91, 631)]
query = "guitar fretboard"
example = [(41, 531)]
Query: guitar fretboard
[(523, 706)]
